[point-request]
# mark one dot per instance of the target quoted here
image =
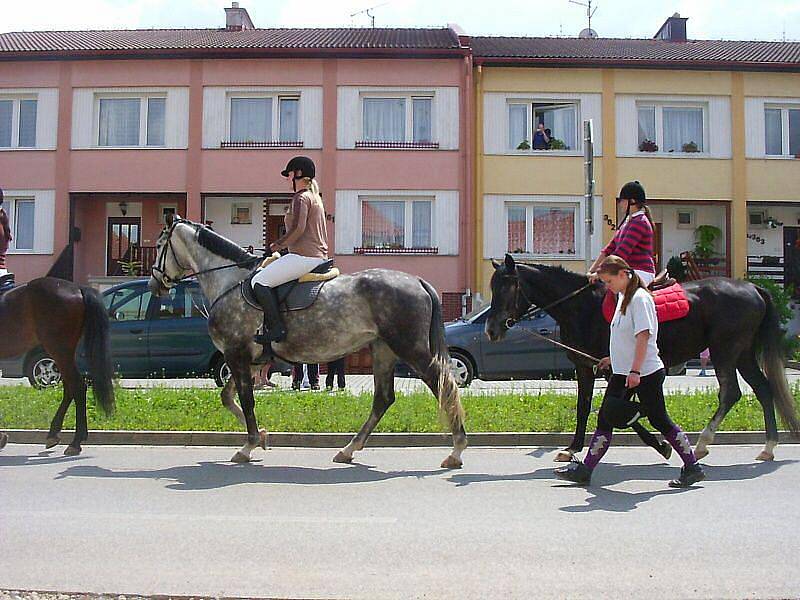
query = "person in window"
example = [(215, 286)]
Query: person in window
[(633, 241), (306, 238), (548, 132), (5, 236), (636, 369), (541, 141)]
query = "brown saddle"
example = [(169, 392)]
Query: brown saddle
[(661, 281)]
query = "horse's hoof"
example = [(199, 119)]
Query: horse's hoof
[(240, 458), (698, 454), (72, 451), (262, 436), (3, 440), (764, 455), (52, 441), (341, 457), (452, 462), (564, 456)]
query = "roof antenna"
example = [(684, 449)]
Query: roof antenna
[(588, 32), (368, 13)]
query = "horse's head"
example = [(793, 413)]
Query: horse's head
[(508, 301), (169, 267)]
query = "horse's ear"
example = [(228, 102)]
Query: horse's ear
[(496, 264), (511, 266)]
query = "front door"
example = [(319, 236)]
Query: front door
[(791, 257), (276, 225), (123, 232)]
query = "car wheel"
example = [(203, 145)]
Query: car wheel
[(461, 367), (42, 371), (221, 372)]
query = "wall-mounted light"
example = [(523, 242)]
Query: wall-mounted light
[(123, 208), (330, 217)]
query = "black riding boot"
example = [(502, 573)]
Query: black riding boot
[(274, 329)]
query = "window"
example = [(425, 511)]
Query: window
[(132, 121), (757, 219), (685, 219), (18, 122), (542, 230), (782, 129), (166, 209), (254, 119), (241, 214), (128, 304), (401, 120), (396, 224), (558, 120), (671, 128), (23, 225)]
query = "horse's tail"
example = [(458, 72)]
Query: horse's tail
[(448, 397), (769, 338), (98, 348)]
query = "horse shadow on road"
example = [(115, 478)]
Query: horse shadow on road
[(46, 457), (217, 475), (608, 474)]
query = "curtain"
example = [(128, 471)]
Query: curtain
[(682, 126), (27, 123), (156, 113), (289, 131), (6, 113), (421, 119), (773, 131), (383, 224), (647, 123), (517, 125), (563, 125), (553, 230), (421, 224), (24, 213), (384, 119), (794, 132), (119, 121), (517, 229), (251, 119)]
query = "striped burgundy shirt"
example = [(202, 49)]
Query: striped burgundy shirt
[(634, 243)]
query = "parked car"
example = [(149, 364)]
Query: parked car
[(150, 337)]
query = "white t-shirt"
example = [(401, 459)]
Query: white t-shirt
[(639, 316)]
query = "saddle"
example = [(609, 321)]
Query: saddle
[(661, 281), (297, 294), (7, 283), (671, 303)]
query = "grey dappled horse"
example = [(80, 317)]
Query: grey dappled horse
[(399, 315)]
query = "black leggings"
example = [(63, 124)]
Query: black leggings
[(651, 397)]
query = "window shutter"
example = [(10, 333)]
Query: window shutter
[(348, 221), (446, 222)]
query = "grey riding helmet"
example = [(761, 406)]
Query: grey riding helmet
[(303, 164)]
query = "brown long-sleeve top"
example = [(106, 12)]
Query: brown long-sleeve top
[(306, 232)]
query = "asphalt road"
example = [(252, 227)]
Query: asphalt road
[(173, 520)]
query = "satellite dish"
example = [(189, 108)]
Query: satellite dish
[(588, 34)]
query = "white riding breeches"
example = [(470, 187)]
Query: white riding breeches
[(645, 276), (286, 268)]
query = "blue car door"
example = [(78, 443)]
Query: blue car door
[(127, 308)]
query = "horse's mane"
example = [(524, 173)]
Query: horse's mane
[(221, 246), (558, 273)]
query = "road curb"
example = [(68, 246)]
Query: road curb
[(376, 440)]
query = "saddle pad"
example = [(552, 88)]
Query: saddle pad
[(291, 296), (327, 276), (671, 304)]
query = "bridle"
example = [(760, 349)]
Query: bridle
[(158, 270), (534, 310)]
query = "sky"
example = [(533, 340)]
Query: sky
[(708, 19)]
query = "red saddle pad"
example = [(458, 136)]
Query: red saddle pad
[(671, 304)]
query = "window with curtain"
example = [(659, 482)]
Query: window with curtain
[(683, 129), (782, 131), (6, 116), (385, 119), (541, 230), (794, 132), (647, 124), (561, 120), (156, 115), (23, 226), (421, 224), (517, 229), (421, 119), (119, 121), (383, 224), (518, 136), (288, 119), (27, 123), (18, 123), (773, 122), (251, 120)]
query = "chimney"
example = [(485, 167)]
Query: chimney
[(673, 29), (237, 19), (463, 38)]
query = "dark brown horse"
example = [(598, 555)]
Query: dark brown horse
[(55, 314)]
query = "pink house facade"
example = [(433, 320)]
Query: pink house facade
[(110, 131)]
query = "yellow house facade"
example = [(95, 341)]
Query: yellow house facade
[(712, 137)]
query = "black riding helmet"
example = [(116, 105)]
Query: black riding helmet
[(303, 164), (633, 190)]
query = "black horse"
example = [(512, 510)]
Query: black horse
[(735, 319)]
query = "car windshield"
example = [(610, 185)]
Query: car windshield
[(476, 312)]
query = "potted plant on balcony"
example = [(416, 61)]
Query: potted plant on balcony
[(648, 146), (557, 144), (524, 145), (690, 147), (706, 237), (130, 268)]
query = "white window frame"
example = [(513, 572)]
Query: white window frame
[(762, 214), (276, 98), (409, 100), (692, 224), (161, 218), (659, 107), (529, 206), (143, 108), (529, 102), (784, 108), (237, 205), (15, 119), (408, 218), (11, 209)]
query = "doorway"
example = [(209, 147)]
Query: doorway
[(123, 234)]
